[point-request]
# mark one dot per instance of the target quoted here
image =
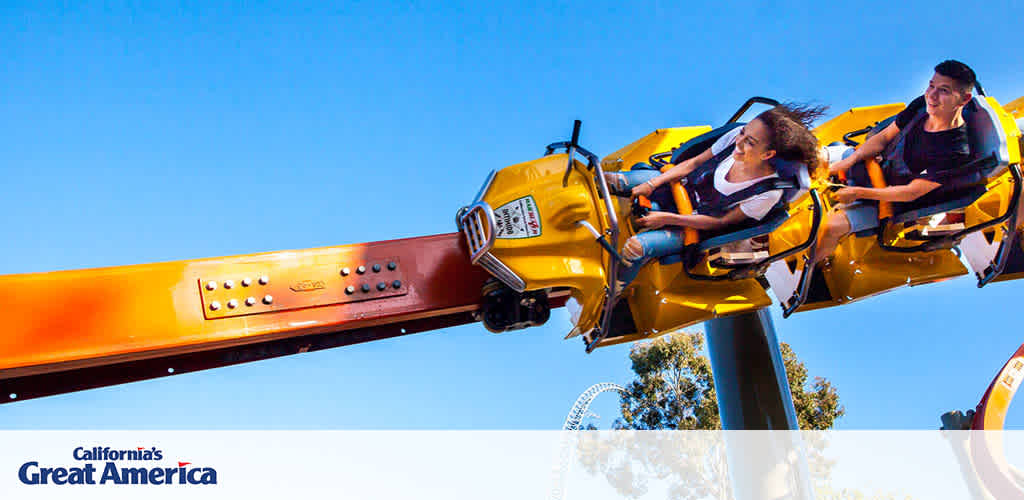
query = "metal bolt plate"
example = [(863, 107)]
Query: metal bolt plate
[(286, 289)]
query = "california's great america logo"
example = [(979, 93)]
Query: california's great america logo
[(106, 465)]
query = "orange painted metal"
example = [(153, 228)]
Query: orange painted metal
[(987, 452), (991, 411), (878, 181), (68, 321), (684, 206)]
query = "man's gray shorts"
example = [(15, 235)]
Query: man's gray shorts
[(862, 216)]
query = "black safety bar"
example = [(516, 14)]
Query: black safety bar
[(847, 137), (611, 233), (804, 285), (997, 267), (933, 243), (592, 159), (658, 159), (750, 102), (758, 268), (572, 147)]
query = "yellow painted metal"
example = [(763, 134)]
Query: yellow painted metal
[(855, 119), (1015, 107), (1000, 189), (562, 254), (662, 297), (566, 255), (1007, 120)]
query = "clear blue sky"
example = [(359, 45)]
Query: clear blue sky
[(134, 133)]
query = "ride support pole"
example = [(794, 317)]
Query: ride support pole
[(753, 395)]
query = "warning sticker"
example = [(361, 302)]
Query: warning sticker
[(518, 219)]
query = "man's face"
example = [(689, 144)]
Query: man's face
[(943, 97)]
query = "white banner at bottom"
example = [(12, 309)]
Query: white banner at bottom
[(510, 464)]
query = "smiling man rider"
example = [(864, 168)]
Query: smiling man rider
[(930, 135)]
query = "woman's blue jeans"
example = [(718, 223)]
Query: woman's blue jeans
[(659, 242)]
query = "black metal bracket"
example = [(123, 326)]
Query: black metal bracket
[(847, 137), (572, 147), (1009, 240), (658, 159), (758, 268), (951, 240), (750, 102)]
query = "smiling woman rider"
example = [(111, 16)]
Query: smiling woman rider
[(779, 133)]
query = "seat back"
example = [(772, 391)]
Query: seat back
[(796, 171), (985, 134)]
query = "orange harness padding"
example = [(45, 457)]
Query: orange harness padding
[(874, 171), (685, 207), (878, 181)]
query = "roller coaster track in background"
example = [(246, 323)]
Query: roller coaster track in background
[(582, 404), (980, 454), (569, 429)]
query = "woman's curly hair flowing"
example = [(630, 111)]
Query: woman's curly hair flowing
[(791, 138)]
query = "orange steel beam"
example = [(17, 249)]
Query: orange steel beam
[(71, 330), (987, 452)]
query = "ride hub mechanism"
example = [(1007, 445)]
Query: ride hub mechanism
[(505, 309)]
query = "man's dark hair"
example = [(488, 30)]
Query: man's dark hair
[(962, 74)]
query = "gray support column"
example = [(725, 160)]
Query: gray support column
[(753, 394)]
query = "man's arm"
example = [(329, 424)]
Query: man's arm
[(908, 192), (869, 149)]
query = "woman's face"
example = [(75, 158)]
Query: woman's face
[(752, 143)]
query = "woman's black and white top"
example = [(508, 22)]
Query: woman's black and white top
[(755, 207)]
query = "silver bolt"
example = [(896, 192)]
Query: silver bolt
[(250, 301), (211, 285), (345, 271), (361, 269), (350, 289), (264, 279), (267, 299), (246, 281), (214, 305), (232, 304), (229, 284)]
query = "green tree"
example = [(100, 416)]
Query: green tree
[(674, 388)]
